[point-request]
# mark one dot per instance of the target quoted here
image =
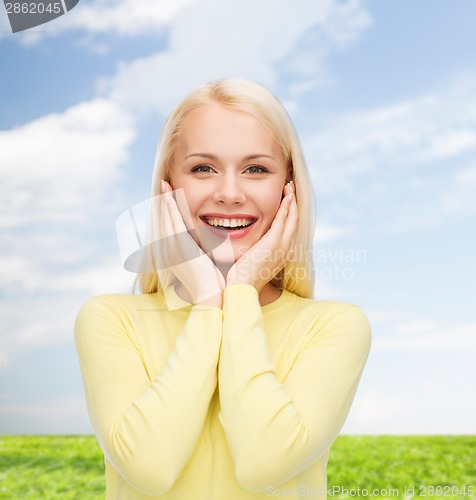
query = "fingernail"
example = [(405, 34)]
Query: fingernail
[(162, 186)]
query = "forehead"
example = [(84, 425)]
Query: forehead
[(217, 127)]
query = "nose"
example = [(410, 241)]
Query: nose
[(229, 191)]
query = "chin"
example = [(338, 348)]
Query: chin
[(223, 256), (224, 250)]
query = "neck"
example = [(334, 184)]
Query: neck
[(268, 294)]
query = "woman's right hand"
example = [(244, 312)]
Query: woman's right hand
[(180, 253)]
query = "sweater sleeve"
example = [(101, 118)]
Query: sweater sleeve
[(276, 430), (147, 430)]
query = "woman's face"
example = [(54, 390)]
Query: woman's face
[(232, 171)]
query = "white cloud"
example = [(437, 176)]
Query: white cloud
[(30, 322), (124, 18), (412, 163), (368, 413), (60, 178), (382, 317), (54, 167), (212, 39), (67, 415), (427, 336), (250, 30), (436, 127), (466, 176), (57, 410), (450, 143), (327, 232), (415, 327), (459, 196), (105, 276), (43, 301), (3, 358), (39, 272), (430, 410)]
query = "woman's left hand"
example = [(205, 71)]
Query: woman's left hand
[(263, 261)]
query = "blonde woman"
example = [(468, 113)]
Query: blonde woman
[(240, 390)]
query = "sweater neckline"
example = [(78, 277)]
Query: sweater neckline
[(278, 303), (176, 302)]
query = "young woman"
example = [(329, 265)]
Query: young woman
[(223, 379)]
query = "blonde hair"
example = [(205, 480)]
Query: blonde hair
[(252, 98)]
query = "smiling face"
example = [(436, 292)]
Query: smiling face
[(232, 171)]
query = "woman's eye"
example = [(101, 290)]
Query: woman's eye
[(202, 168), (256, 169)]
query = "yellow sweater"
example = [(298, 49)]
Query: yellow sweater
[(203, 403)]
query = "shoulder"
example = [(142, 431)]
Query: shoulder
[(326, 311), (332, 319), (118, 303), (111, 313), (107, 305), (323, 310)]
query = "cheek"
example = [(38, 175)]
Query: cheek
[(192, 196), (270, 205)]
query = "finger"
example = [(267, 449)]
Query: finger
[(274, 233), (285, 223), (291, 223), (282, 213), (181, 204), (184, 209), (160, 244), (166, 208), (176, 216), (288, 188), (170, 248), (185, 247), (181, 216), (167, 218)]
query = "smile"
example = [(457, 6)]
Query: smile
[(232, 227), (228, 223)]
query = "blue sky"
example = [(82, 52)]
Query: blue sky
[(383, 95)]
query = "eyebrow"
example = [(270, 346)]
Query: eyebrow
[(214, 157)]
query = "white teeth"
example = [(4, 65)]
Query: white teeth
[(229, 222)]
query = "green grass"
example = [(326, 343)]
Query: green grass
[(399, 462), (51, 467), (71, 467)]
